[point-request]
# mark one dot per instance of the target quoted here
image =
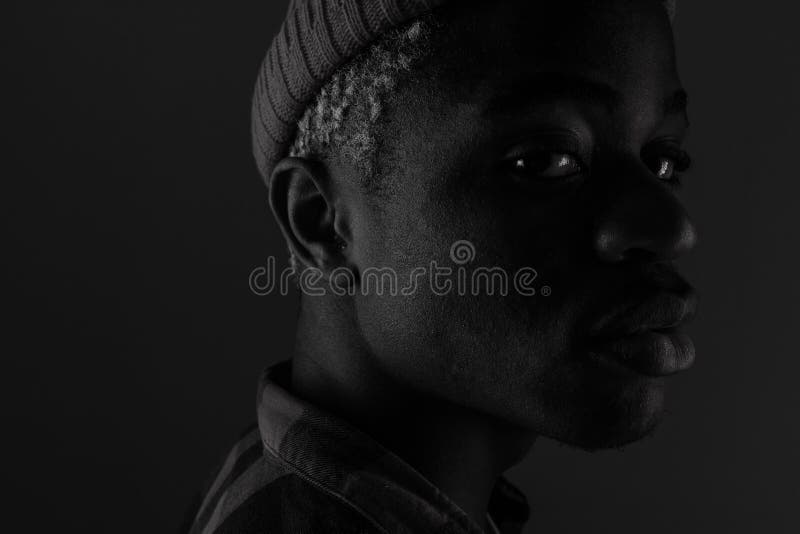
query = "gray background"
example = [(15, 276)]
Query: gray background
[(132, 216)]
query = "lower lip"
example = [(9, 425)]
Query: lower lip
[(649, 353)]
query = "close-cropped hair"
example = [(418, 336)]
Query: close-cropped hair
[(348, 112), (345, 118)]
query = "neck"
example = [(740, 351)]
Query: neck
[(459, 450)]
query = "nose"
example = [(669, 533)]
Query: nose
[(643, 219)]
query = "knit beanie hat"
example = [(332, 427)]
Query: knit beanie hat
[(316, 38)]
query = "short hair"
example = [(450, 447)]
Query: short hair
[(346, 116)]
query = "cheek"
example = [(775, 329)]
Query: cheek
[(454, 337), (490, 351), (480, 352), (444, 344)]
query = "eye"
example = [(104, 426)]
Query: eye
[(668, 163), (666, 169), (545, 166)]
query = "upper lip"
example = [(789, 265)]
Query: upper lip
[(661, 312)]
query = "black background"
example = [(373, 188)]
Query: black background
[(133, 215)]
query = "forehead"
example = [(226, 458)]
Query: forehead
[(624, 44)]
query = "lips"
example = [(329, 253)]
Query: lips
[(649, 353), (645, 337)]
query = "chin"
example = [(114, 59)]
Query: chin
[(612, 415)]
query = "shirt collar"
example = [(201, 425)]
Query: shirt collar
[(343, 461)]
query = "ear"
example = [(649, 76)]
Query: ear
[(303, 202)]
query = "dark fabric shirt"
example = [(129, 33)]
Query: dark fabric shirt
[(301, 470)]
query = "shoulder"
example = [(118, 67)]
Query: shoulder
[(291, 505), (254, 492)]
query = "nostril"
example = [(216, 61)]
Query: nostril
[(647, 231), (616, 242)]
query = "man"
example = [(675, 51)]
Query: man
[(540, 137)]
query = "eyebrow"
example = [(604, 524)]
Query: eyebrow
[(561, 86)]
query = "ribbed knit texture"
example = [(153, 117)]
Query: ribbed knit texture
[(316, 38)]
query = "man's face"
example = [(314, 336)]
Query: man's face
[(545, 137)]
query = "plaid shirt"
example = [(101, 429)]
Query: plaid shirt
[(301, 470)]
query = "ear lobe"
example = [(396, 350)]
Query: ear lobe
[(300, 200)]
